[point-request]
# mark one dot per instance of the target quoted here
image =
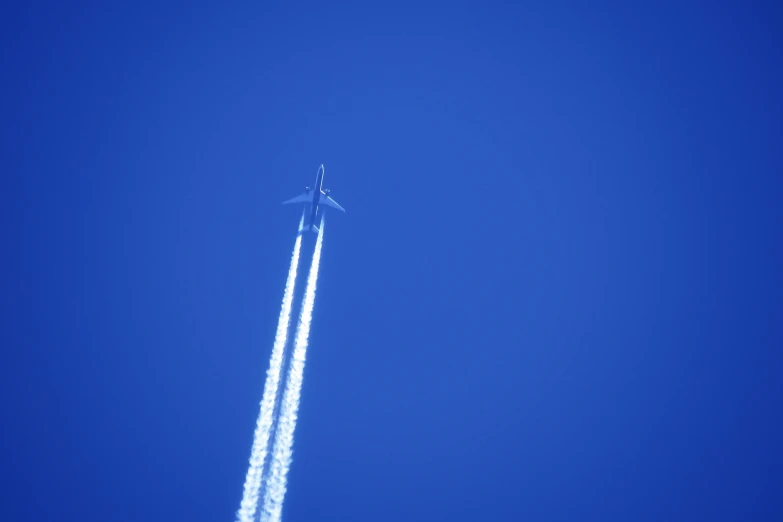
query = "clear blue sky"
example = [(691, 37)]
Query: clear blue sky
[(556, 293)]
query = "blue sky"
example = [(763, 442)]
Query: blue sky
[(556, 293)]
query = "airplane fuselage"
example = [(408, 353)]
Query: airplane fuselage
[(319, 182)]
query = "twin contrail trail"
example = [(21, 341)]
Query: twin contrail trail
[(271, 478), (258, 453), (284, 436)]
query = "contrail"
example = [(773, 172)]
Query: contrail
[(249, 505), (284, 436)]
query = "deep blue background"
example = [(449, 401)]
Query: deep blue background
[(556, 294)]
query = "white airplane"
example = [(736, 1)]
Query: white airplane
[(315, 197)]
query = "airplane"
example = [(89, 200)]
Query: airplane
[(315, 197)]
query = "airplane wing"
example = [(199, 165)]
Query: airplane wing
[(307, 197), (332, 203)]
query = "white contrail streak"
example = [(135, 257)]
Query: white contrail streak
[(249, 505), (286, 423)]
